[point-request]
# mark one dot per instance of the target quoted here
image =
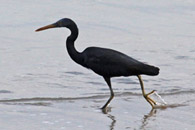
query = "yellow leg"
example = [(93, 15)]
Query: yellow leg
[(146, 96)]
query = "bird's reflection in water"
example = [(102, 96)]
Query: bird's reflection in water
[(113, 120), (146, 118)]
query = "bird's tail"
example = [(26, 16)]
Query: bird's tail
[(150, 70)]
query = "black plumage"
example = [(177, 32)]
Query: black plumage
[(111, 63)]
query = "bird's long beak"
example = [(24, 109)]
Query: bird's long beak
[(46, 27)]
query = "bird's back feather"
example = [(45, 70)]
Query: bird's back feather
[(111, 63)]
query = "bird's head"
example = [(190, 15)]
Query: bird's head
[(65, 22)]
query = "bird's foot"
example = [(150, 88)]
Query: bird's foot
[(106, 110), (150, 100), (104, 107)]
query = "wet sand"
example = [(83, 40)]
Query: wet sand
[(127, 111)]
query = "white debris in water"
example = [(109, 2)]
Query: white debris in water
[(160, 100), (163, 101)]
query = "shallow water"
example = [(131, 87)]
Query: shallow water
[(42, 88)]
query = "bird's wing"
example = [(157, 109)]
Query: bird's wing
[(107, 62)]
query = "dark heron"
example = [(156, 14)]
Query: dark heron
[(105, 62)]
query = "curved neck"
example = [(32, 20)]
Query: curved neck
[(74, 54)]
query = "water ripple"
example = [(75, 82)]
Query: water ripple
[(75, 73), (96, 83), (182, 57), (39, 100), (178, 92), (5, 91)]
